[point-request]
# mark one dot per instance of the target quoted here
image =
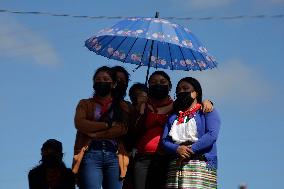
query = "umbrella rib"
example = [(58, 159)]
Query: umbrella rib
[(213, 61), (177, 32), (129, 50), (192, 52), (132, 25), (195, 60), (91, 46), (107, 44), (189, 50), (171, 56), (117, 47), (183, 57), (143, 54), (140, 64), (199, 52), (102, 39), (203, 57)]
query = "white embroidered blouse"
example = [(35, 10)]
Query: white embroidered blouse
[(184, 132)]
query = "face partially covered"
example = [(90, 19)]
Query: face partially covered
[(121, 78), (122, 83), (103, 77), (103, 84), (186, 96), (140, 97), (159, 87), (186, 88)]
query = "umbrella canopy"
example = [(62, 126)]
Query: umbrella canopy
[(152, 42)]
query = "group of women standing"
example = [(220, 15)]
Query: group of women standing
[(151, 142)]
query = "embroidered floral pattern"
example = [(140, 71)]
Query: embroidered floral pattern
[(188, 114)]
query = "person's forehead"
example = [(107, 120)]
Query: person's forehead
[(158, 77), (185, 84), (103, 74), (140, 92)]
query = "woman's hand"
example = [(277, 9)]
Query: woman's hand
[(141, 102), (183, 151), (207, 106)]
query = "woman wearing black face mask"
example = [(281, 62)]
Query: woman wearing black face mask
[(150, 161), (52, 172), (190, 135), (99, 121)]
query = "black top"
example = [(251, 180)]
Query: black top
[(38, 179)]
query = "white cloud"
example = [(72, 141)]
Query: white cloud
[(234, 80), (18, 42)]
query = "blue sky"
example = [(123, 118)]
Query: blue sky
[(45, 70)]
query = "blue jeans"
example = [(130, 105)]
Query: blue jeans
[(100, 169)]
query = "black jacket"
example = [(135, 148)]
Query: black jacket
[(37, 178)]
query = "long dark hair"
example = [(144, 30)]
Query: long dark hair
[(122, 70), (118, 114), (119, 91), (197, 88)]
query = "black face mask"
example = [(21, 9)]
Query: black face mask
[(120, 90), (159, 91), (51, 161), (183, 101), (102, 88)]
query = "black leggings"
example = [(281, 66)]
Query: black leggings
[(150, 171)]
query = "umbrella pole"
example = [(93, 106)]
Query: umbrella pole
[(148, 69)]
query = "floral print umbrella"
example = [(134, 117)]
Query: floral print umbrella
[(152, 42)]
